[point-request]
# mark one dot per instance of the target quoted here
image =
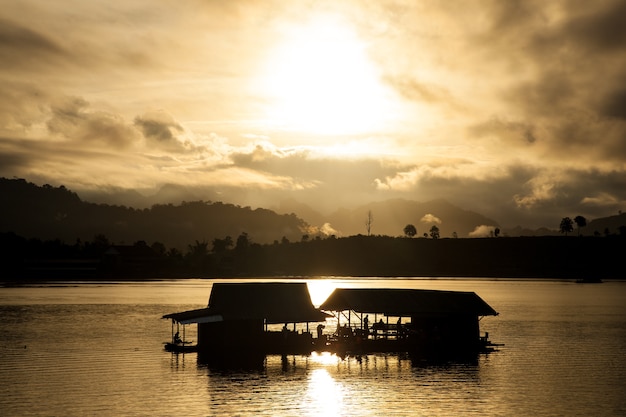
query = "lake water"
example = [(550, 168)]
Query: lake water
[(78, 349)]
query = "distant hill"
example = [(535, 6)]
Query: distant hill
[(612, 225), (48, 212), (302, 210), (391, 216), (603, 226), (522, 231)]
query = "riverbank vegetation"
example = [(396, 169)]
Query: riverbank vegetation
[(520, 257)]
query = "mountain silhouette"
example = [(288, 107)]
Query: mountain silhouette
[(391, 216), (48, 212)]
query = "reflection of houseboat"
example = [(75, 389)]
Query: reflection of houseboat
[(244, 320)]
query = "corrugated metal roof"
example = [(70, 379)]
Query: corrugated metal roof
[(407, 302), (275, 302)]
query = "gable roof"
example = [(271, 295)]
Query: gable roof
[(407, 302), (274, 302)]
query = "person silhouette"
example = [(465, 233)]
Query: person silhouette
[(320, 328)]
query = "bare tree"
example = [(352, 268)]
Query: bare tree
[(368, 222)]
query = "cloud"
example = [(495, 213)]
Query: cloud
[(430, 218), (602, 200), (162, 130), (516, 110), (21, 107), (23, 48), (509, 131), (427, 92), (159, 126), (73, 119), (482, 231), (600, 29), (615, 104), (328, 230)]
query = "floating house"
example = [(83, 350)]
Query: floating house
[(241, 318), (425, 323)]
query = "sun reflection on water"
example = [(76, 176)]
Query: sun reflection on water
[(324, 395)]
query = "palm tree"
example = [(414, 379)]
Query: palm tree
[(567, 225), (410, 230), (580, 222)]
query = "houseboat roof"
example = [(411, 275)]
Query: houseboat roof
[(407, 302), (274, 302)]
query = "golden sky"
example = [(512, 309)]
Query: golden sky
[(514, 109)]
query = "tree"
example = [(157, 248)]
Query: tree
[(368, 222), (198, 250), (410, 230), (434, 232), (242, 242), (159, 248), (221, 245), (567, 225), (580, 222), (496, 232)]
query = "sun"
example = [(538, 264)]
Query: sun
[(319, 79)]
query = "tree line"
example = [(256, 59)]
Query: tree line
[(360, 255)]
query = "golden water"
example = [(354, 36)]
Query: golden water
[(76, 349)]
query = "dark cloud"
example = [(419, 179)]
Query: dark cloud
[(326, 183), (22, 47), (602, 29), (539, 83), (525, 195), (548, 95), (73, 119), (615, 104), (511, 132), (13, 156), (327, 171), (158, 126)]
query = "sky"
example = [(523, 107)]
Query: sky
[(513, 109)]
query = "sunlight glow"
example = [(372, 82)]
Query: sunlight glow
[(324, 395), (324, 358), (320, 80), (320, 290)]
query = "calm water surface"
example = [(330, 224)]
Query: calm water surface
[(77, 349)]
